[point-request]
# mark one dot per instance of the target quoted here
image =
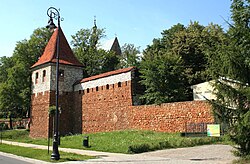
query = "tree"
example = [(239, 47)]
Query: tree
[(215, 43), (15, 88), (85, 46), (169, 35), (229, 65), (5, 64), (188, 44), (182, 45), (161, 70), (163, 78), (11, 97), (130, 56)]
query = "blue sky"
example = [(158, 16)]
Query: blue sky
[(132, 21)]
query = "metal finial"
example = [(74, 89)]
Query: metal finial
[(94, 21)]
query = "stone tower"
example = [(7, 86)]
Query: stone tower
[(44, 86)]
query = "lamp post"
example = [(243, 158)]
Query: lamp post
[(54, 13)]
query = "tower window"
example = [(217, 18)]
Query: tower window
[(87, 90), (36, 79), (61, 75), (96, 88), (44, 75), (119, 84), (107, 86)]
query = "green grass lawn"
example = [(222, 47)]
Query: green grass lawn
[(41, 154), (128, 141)]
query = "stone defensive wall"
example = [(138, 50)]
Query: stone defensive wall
[(107, 105), (105, 102), (170, 117)]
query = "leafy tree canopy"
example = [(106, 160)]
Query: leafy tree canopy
[(229, 65), (95, 60), (15, 74), (130, 56), (188, 45)]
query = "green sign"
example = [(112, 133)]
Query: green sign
[(213, 130)]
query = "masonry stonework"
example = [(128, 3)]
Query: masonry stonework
[(41, 121), (110, 107), (41, 78), (106, 109), (67, 79), (170, 117), (39, 115)]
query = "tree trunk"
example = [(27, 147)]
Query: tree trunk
[(10, 117)]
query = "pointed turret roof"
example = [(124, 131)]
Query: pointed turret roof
[(116, 47), (66, 55), (112, 45)]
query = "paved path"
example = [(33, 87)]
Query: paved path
[(7, 159), (200, 154), (206, 154)]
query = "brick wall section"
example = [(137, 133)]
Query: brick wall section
[(66, 116), (106, 109), (77, 113), (39, 115), (111, 109), (170, 117)]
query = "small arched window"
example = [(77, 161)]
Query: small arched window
[(97, 88), (36, 78), (119, 84), (44, 75), (61, 75), (107, 86), (87, 90)]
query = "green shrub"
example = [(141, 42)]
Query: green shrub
[(165, 145), (187, 142), (3, 126), (174, 143), (139, 148), (52, 110), (15, 134)]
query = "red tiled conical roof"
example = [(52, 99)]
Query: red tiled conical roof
[(66, 55)]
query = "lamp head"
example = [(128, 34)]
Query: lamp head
[(51, 25)]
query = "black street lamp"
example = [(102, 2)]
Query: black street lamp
[(54, 13)]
